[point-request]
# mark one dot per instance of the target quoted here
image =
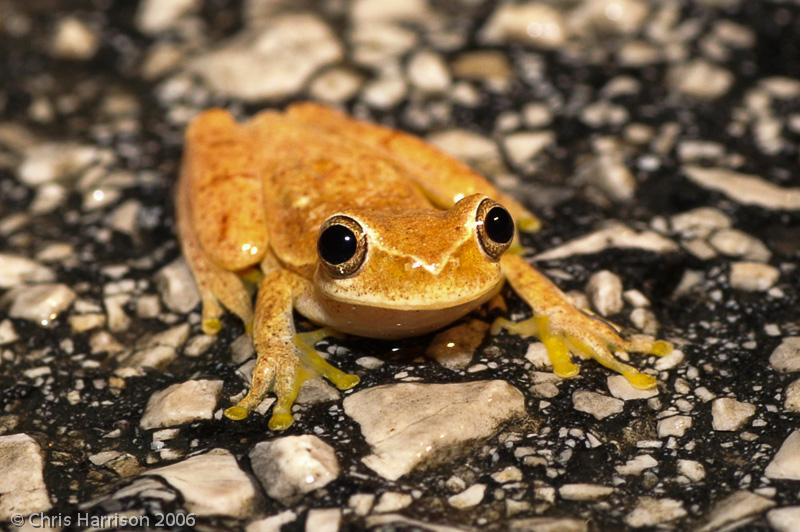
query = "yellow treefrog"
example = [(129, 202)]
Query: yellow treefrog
[(363, 230)]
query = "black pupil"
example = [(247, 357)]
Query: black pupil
[(499, 225), (337, 244)]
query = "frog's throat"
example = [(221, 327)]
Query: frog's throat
[(444, 302), (385, 322)]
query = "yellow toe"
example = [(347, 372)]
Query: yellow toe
[(641, 381), (211, 326), (236, 413), (280, 420), (661, 348)]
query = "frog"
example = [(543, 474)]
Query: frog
[(363, 230)]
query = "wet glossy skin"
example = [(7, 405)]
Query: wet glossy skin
[(253, 197)]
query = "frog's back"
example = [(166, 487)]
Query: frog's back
[(308, 174)]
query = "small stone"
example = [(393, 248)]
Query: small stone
[(455, 346), (610, 16), (734, 508), (323, 520), (548, 524), (468, 498), (753, 276), (735, 243), (125, 218), (692, 470), (429, 422), (700, 79), (584, 492), (700, 222), (509, 474), (269, 62), (428, 72), (384, 92), (637, 465), (41, 303), (212, 484), (118, 319), (242, 349), (336, 85), (786, 463), (729, 414), (523, 146), (613, 236), (16, 270), (674, 426), (181, 403), (158, 16), (197, 345), (291, 466), (745, 188), (43, 163), (604, 289), (622, 389), (391, 501), (273, 523), (651, 512), (8, 335), (469, 147), (597, 404), (489, 66), (531, 23), (786, 357), (361, 503), (22, 487), (314, 391), (148, 306), (784, 519), (790, 404), (177, 287), (389, 10), (380, 45), (73, 39), (670, 361), (155, 351), (86, 322)]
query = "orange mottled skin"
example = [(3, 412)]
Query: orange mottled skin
[(255, 195)]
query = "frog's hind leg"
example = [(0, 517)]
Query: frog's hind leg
[(217, 287), (220, 214), (443, 179), (565, 329)]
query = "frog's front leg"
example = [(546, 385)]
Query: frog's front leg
[(284, 357), (565, 329)]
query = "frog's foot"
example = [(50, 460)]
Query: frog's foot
[(280, 371), (306, 341), (212, 312), (286, 374), (571, 331), (529, 223)]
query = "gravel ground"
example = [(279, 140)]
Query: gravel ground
[(658, 141)]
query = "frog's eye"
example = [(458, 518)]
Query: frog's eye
[(495, 228), (342, 246)]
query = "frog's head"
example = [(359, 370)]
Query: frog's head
[(410, 271)]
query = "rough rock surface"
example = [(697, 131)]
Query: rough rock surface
[(291, 466), (181, 403), (212, 484), (22, 487), (413, 425)]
